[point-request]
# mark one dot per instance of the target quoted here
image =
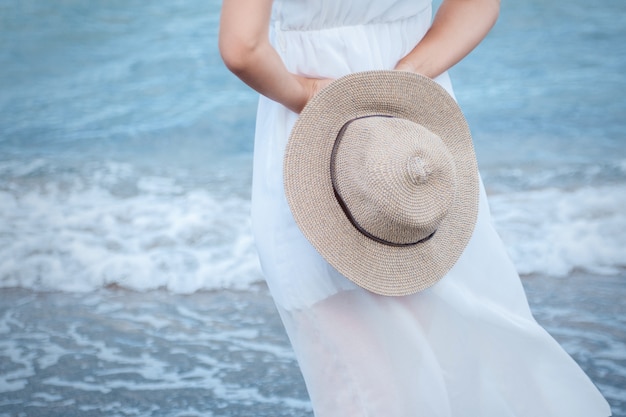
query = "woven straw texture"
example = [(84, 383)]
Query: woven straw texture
[(401, 178)]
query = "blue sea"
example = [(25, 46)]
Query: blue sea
[(129, 281)]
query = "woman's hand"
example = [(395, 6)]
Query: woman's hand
[(458, 27), (310, 87)]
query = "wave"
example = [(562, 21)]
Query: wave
[(119, 228), (111, 224), (554, 231)]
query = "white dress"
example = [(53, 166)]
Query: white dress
[(468, 346)]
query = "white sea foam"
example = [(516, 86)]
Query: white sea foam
[(80, 234), (51, 355), (47, 397), (115, 226), (554, 231), (21, 367)]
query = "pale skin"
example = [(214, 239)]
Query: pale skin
[(458, 27)]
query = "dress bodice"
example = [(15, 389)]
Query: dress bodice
[(321, 14)]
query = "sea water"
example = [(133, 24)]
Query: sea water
[(125, 170)]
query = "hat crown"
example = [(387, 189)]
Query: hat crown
[(395, 178)]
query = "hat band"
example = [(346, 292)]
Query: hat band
[(343, 204)]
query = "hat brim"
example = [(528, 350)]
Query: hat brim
[(379, 268)]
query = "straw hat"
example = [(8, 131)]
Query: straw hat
[(381, 177)]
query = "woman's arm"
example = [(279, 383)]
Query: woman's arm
[(458, 27), (246, 51)]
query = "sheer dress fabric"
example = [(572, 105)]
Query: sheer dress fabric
[(468, 346)]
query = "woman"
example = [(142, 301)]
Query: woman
[(467, 346)]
